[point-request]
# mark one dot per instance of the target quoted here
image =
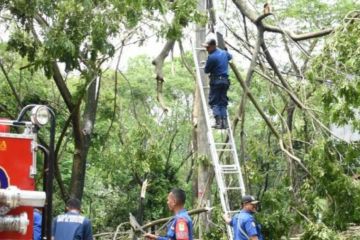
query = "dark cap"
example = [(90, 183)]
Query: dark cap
[(210, 42), (249, 199)]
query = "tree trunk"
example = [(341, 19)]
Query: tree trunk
[(82, 136), (204, 171)]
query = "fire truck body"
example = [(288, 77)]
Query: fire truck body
[(17, 184)]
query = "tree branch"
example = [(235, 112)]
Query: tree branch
[(10, 84), (170, 148), (263, 115), (158, 62), (115, 96), (164, 220), (299, 37), (246, 10)]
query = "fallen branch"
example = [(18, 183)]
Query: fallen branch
[(266, 119), (164, 220), (246, 10)]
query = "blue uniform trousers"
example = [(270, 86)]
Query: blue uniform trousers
[(218, 99)]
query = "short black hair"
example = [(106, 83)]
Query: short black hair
[(212, 42), (179, 195), (73, 203)]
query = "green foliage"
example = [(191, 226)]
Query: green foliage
[(134, 140), (276, 215), (338, 67), (319, 232), (317, 13), (185, 12), (143, 143), (218, 227), (331, 182), (79, 32)]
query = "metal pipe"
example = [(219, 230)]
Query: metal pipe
[(50, 176), (46, 153), (18, 223), (23, 112), (13, 197), (14, 123)]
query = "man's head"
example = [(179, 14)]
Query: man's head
[(210, 45), (73, 204), (249, 203), (176, 199)]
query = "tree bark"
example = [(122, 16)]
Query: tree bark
[(82, 136), (204, 177)]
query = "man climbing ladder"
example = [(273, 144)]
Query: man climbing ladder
[(217, 65), (222, 151)]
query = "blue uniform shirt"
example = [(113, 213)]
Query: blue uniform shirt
[(71, 225), (37, 225), (246, 221), (217, 63), (179, 228)]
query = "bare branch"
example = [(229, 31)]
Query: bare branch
[(263, 115), (246, 10), (10, 84), (292, 61), (299, 37), (115, 95), (186, 64)]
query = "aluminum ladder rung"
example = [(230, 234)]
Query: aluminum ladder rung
[(232, 211), (230, 172), (224, 149), (229, 169), (233, 188), (228, 144)]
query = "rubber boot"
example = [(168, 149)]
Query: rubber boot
[(224, 123), (217, 122)]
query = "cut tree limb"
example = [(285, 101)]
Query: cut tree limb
[(164, 220), (158, 62)]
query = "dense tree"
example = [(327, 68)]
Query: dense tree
[(282, 104)]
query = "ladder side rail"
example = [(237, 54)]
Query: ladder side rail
[(236, 158), (220, 30), (214, 155), (201, 86)]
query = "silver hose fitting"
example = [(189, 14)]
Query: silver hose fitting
[(18, 223)]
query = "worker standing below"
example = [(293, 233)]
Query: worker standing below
[(180, 226), (217, 65), (72, 225), (37, 224), (243, 223)]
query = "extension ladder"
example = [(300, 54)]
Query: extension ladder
[(223, 153)]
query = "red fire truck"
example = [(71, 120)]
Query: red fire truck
[(18, 167)]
